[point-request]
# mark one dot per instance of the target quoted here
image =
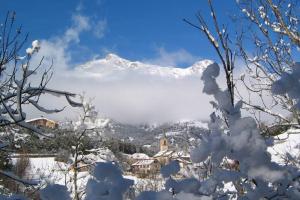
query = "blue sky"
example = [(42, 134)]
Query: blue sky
[(135, 29)]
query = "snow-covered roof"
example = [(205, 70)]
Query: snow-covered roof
[(143, 162), (138, 156), (39, 118), (183, 161), (172, 133), (181, 154), (164, 153), (101, 122)]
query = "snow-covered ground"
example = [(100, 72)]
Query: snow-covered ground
[(47, 170), (286, 146)]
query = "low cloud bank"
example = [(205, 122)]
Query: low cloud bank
[(133, 98)]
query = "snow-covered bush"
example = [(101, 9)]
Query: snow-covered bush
[(107, 183), (55, 192), (12, 197), (172, 168), (289, 84)]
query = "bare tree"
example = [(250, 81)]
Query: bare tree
[(16, 89), (81, 128), (273, 29), (16, 81), (218, 36), (221, 43)]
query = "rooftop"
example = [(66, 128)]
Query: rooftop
[(143, 162), (39, 118), (139, 156), (164, 153)]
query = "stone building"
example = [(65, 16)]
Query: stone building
[(146, 167), (138, 156), (43, 122)]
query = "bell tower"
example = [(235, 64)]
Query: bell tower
[(163, 143)]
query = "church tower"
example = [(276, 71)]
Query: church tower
[(163, 143)]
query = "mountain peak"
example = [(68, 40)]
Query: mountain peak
[(112, 64), (112, 56)]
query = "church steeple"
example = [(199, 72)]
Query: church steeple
[(163, 143)]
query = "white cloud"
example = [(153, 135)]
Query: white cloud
[(100, 28), (79, 6), (80, 23), (172, 58), (136, 98)]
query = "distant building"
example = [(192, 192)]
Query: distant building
[(145, 167), (43, 122), (137, 156)]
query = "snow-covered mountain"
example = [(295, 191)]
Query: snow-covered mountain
[(115, 64)]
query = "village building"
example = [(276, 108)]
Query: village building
[(43, 122), (136, 157), (139, 156), (146, 167)]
